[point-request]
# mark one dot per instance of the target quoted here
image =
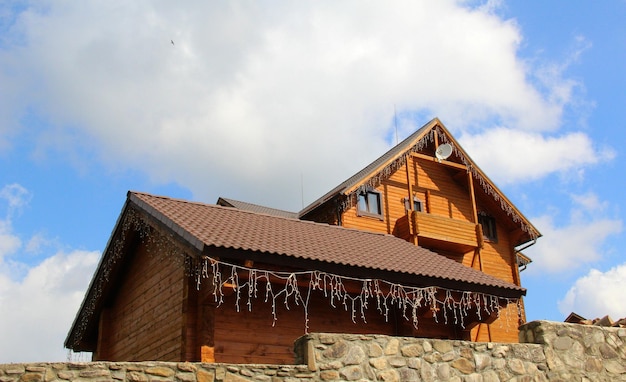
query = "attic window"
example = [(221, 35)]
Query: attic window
[(417, 204), (488, 223), (369, 203)]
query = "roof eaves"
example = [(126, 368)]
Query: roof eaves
[(70, 340), (178, 230)]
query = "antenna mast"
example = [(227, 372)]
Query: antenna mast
[(395, 121)]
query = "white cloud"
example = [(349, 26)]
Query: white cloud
[(38, 302), (9, 243), (38, 310), (576, 244), (513, 156), (16, 197), (264, 92), (597, 294)]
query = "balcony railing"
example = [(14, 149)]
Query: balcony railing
[(445, 232)]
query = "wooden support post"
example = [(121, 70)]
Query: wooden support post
[(410, 210), (470, 184), (206, 323)]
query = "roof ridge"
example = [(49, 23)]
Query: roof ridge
[(237, 210)]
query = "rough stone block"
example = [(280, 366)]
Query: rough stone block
[(428, 347), (36, 369), (379, 363), (563, 343), (407, 374), (413, 350), (32, 377), (594, 365), (351, 373), (186, 377), (397, 361), (337, 350), (135, 376), (389, 375), (517, 366), (414, 363), (607, 352), (67, 375), (500, 351), (186, 366), (354, 356), (614, 366), (392, 347), (94, 373), (482, 361), (232, 377), (205, 376), (443, 372), (329, 375), (463, 365), (374, 350), (442, 346)]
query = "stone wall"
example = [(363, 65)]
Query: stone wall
[(152, 371), (575, 351), (548, 351)]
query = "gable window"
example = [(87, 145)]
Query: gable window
[(488, 224), (370, 203), (417, 204)]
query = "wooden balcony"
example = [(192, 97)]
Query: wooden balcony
[(442, 232)]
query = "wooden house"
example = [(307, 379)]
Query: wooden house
[(419, 243)]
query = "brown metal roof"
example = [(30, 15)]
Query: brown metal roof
[(206, 226)]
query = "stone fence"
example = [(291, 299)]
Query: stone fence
[(548, 351)]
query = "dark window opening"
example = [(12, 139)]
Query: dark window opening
[(488, 224)]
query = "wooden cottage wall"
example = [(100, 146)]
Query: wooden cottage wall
[(446, 197), (143, 320), (503, 329), (431, 183), (497, 257), (253, 337)]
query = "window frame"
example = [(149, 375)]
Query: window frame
[(364, 198), (418, 204)]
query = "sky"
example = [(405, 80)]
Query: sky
[(275, 103)]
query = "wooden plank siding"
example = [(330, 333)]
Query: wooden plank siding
[(450, 233), (144, 321), (253, 337)]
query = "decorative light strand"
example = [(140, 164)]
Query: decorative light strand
[(289, 290)]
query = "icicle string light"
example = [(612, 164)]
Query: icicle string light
[(295, 289)]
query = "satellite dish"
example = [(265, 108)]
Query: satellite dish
[(443, 151)]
